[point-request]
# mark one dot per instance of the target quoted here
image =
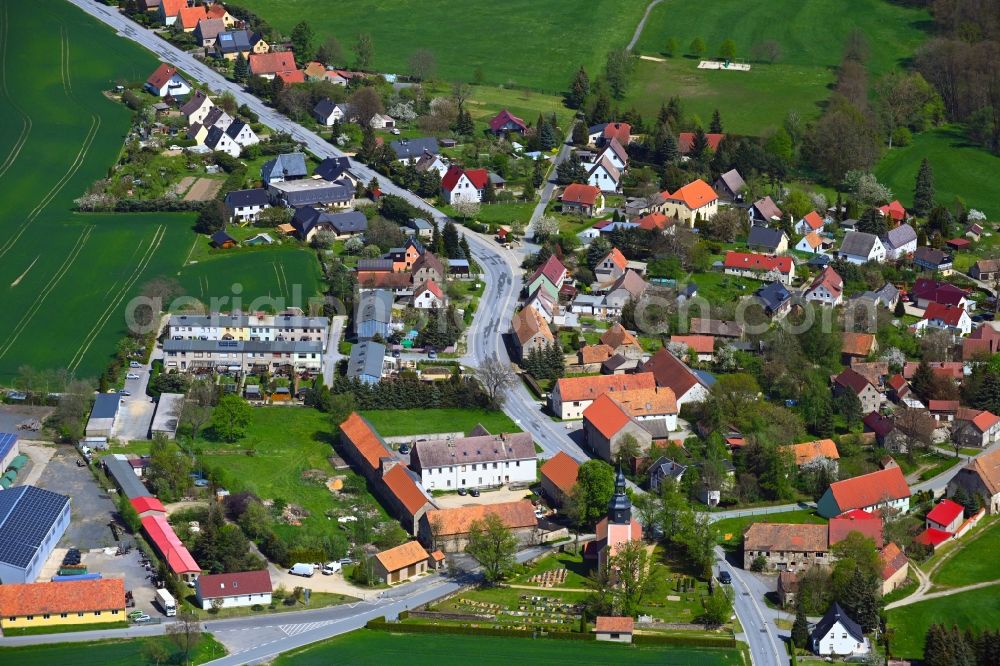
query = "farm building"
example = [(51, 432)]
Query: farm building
[(32, 521)]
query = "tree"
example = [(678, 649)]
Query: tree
[(185, 633), (923, 193), (728, 50), (231, 418), (579, 89), (857, 579), (617, 71), (365, 103), (302, 41), (630, 567), (768, 51), (496, 377), (800, 629), (628, 450), (571, 171), (241, 69), (595, 484), (211, 218), (423, 65), (364, 51), (464, 125), (716, 125), (155, 651), (546, 134), (330, 52), (493, 545), (697, 47), (842, 139), (718, 608), (670, 49)]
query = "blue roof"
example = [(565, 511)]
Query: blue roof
[(773, 295), (106, 406), (7, 442), (27, 515)]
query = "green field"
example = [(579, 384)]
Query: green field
[(377, 647), (973, 561), (399, 422), (66, 278), (810, 34), (523, 43), (284, 442), (976, 610), (105, 653), (960, 170)]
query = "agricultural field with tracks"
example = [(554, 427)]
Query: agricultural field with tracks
[(65, 277)]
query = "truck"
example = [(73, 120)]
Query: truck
[(166, 602), (301, 569)]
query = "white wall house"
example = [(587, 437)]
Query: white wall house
[(838, 635), (480, 461), (605, 176), (231, 590), (242, 134)]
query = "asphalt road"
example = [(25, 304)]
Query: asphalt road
[(484, 337), (759, 628)]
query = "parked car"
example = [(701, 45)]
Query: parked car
[(404, 449), (124, 392), (136, 613), (463, 492), (131, 375), (432, 354), (141, 619), (345, 560), (725, 578), (474, 492), (134, 364)]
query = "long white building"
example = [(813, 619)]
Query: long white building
[(258, 327), (479, 461)]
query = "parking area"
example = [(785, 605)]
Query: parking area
[(504, 494), (14, 416), (92, 507)]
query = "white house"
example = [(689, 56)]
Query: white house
[(826, 289), (464, 185), (249, 588), (838, 635), (242, 134), (604, 175), (615, 154), (246, 205), (811, 223), (327, 113), (382, 121), (431, 162), (428, 295), (219, 141), (952, 318), (166, 81), (811, 243), (197, 108), (859, 248), (473, 462), (900, 242)]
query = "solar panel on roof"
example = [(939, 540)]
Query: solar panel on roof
[(7, 441), (25, 521)]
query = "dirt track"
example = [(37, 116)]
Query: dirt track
[(203, 189)]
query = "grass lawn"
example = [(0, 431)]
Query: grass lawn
[(577, 570), (316, 600), (64, 629), (734, 527), (527, 44), (400, 422), (960, 170), (500, 213), (721, 288), (976, 610), (752, 101), (939, 463), (379, 647), (973, 562), (286, 442), (107, 653)]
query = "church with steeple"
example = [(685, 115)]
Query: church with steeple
[(619, 527)]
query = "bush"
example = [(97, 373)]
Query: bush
[(759, 564), (257, 608), (901, 137)]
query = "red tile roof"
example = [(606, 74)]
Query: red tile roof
[(695, 194), (189, 16), (669, 371), (985, 420), (933, 537), (786, 537), (857, 344), (809, 451), (144, 504), (552, 269), (893, 559), (215, 586), (830, 279), (172, 7), (867, 524), (432, 287), (292, 76), (561, 470), (478, 177), (580, 193), (606, 415), (758, 262), (159, 531), (272, 63), (572, 389), (653, 221), (503, 118), (949, 314), (365, 440), (813, 219), (940, 292), (161, 75), (614, 625), (853, 380), (457, 520), (620, 131), (17, 600), (896, 382), (617, 258), (701, 344), (894, 210), (878, 424), (405, 489), (617, 336), (943, 406), (870, 489), (685, 141), (402, 556), (945, 512)]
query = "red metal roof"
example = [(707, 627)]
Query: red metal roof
[(144, 504), (478, 177), (949, 314), (214, 586), (945, 512), (163, 73), (178, 559), (758, 262), (933, 537), (503, 118)]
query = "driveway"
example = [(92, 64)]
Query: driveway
[(505, 494), (91, 506)]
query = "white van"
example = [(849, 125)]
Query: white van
[(301, 569), (331, 568)]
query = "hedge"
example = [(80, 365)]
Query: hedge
[(380, 624), (685, 641)]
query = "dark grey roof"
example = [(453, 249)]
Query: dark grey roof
[(765, 237), (930, 256), (288, 165), (819, 260), (332, 168), (419, 224), (324, 107), (194, 102), (310, 192), (123, 475), (213, 116), (241, 198), (467, 450), (235, 128), (375, 305), (215, 135), (733, 180), (665, 467), (858, 244), (349, 223), (374, 264), (220, 237), (106, 406), (232, 41), (900, 236), (366, 360), (27, 515), (833, 616), (222, 320), (773, 296), (245, 346), (410, 148)]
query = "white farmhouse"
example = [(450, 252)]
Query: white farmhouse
[(838, 635), (479, 461), (249, 588)]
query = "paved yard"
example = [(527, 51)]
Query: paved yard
[(13, 415), (92, 508), (504, 494)]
